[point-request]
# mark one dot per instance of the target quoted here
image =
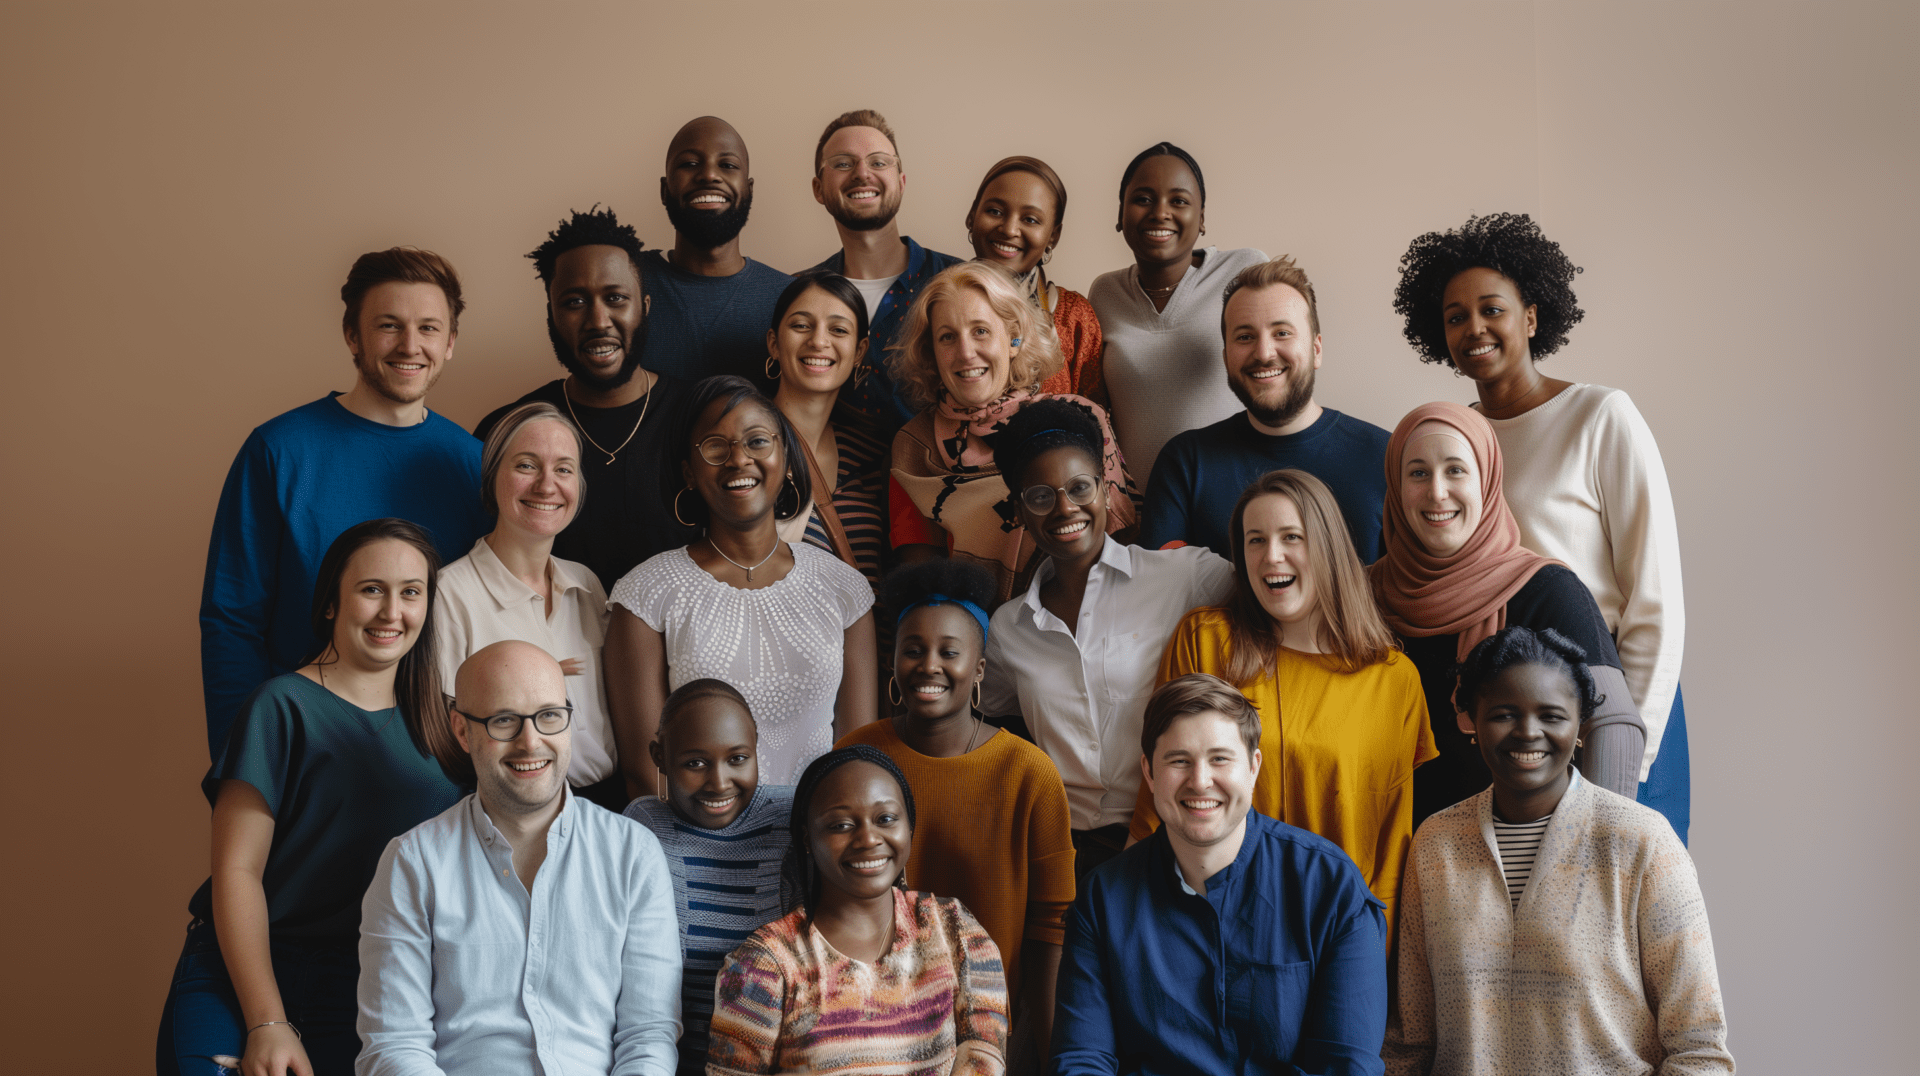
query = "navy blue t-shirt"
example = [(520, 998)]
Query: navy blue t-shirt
[(699, 326), (1201, 473), (341, 782)]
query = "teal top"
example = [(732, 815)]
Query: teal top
[(341, 782)]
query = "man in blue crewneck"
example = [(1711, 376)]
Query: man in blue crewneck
[(858, 176), (1226, 943), (304, 477), (1271, 325)]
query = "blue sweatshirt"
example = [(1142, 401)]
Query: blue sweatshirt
[(298, 482)]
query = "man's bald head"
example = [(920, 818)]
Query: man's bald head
[(510, 676), (711, 133)]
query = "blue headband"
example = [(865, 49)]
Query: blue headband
[(979, 614)]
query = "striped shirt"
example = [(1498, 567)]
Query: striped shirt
[(859, 496), (1519, 844), (726, 885)]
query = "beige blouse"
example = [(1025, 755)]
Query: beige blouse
[(1606, 966)]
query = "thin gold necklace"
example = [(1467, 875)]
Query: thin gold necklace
[(715, 546), (645, 402)]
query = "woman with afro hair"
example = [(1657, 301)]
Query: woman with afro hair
[(1583, 474)]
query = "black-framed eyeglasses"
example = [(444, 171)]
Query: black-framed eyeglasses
[(876, 162), (717, 449), (504, 727), (1081, 489)]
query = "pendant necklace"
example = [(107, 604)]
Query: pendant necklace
[(645, 402), (715, 546)]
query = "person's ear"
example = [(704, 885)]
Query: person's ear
[(352, 336), (461, 732), (1316, 351), (658, 756), (1533, 319), (1146, 773), (771, 353), (1257, 759), (665, 198)]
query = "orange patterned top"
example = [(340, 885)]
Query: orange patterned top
[(1080, 344)]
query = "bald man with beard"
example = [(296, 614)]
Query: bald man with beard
[(711, 304), (522, 930)]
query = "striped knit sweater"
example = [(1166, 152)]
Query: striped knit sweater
[(726, 885), (934, 1004)]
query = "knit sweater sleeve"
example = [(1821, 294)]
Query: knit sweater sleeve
[(1644, 536), (1050, 853), (1677, 968), (1408, 1050)]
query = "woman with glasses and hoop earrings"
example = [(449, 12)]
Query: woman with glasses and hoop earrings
[(788, 624), (1075, 655), (323, 766)]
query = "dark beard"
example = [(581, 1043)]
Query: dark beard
[(866, 224), (1299, 395), (636, 350), (706, 231)]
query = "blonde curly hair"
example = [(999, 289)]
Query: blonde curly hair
[(911, 363)]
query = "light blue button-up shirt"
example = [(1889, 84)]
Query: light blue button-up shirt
[(466, 973)]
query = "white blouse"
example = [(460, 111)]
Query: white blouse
[(482, 603), (1083, 688), (782, 646)]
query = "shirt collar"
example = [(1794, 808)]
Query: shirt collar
[(490, 834), (1113, 554), (506, 589)]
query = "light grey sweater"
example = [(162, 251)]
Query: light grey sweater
[(1163, 367)]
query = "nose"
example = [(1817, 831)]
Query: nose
[(545, 481), (1437, 491), (410, 341), (601, 316)]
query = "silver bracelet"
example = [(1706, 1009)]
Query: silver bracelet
[(270, 1023)]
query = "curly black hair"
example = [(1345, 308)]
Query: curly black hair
[(1041, 427), (801, 880), (1510, 244), (911, 584), (1509, 647), (595, 227)]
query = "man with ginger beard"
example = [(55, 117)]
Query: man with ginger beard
[(520, 930), (711, 304), (858, 176), (597, 322), (1271, 325)]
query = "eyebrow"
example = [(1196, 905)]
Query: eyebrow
[(370, 579), (1151, 189)]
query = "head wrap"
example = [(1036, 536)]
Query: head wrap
[(1422, 594)]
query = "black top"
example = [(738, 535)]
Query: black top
[(341, 782), (1201, 473), (622, 519), (1554, 598)]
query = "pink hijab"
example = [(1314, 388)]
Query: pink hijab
[(1421, 594)]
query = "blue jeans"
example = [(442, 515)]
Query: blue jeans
[(1669, 784), (318, 982)]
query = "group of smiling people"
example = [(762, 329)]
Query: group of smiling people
[(878, 718)]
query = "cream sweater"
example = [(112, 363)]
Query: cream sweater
[(1164, 370), (1586, 483), (1606, 967)]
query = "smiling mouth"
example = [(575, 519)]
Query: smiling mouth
[(708, 198), (533, 766), (542, 507), (1069, 530), (929, 691), (1483, 349), (1440, 519), (742, 484), (863, 195), (384, 635), (601, 350), (1278, 582), (971, 373), (1202, 806), (718, 806), (1005, 250), (1158, 233), (1266, 373), (818, 362)]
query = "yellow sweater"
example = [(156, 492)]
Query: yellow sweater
[(1340, 761), (994, 832)]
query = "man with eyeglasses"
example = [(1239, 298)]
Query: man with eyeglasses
[(858, 176), (521, 930), (1270, 323)]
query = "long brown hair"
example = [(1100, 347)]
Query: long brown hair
[(1350, 626), (416, 678)]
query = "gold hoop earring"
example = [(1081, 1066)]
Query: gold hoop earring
[(893, 691), (795, 486), (1579, 743), (976, 694), (660, 785), (676, 508), (773, 369), (1472, 739), (1046, 257)]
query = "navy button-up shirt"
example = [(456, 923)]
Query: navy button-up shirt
[(1279, 968), (878, 398)]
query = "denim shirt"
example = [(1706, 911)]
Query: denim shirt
[(1280, 967), (878, 398), (462, 969)]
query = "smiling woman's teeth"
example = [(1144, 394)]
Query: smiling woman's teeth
[(867, 864), (1159, 233), (930, 691), (1483, 349), (1075, 527), (1278, 581), (743, 483), (1440, 517), (383, 633), (1527, 756), (718, 805)]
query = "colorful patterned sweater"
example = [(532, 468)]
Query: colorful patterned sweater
[(935, 1004)]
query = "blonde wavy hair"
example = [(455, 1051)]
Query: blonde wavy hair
[(911, 363)]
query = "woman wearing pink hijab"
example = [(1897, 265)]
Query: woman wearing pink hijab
[(1453, 571)]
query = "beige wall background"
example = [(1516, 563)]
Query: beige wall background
[(185, 186)]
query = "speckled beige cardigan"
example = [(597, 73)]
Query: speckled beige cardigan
[(1606, 967)]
